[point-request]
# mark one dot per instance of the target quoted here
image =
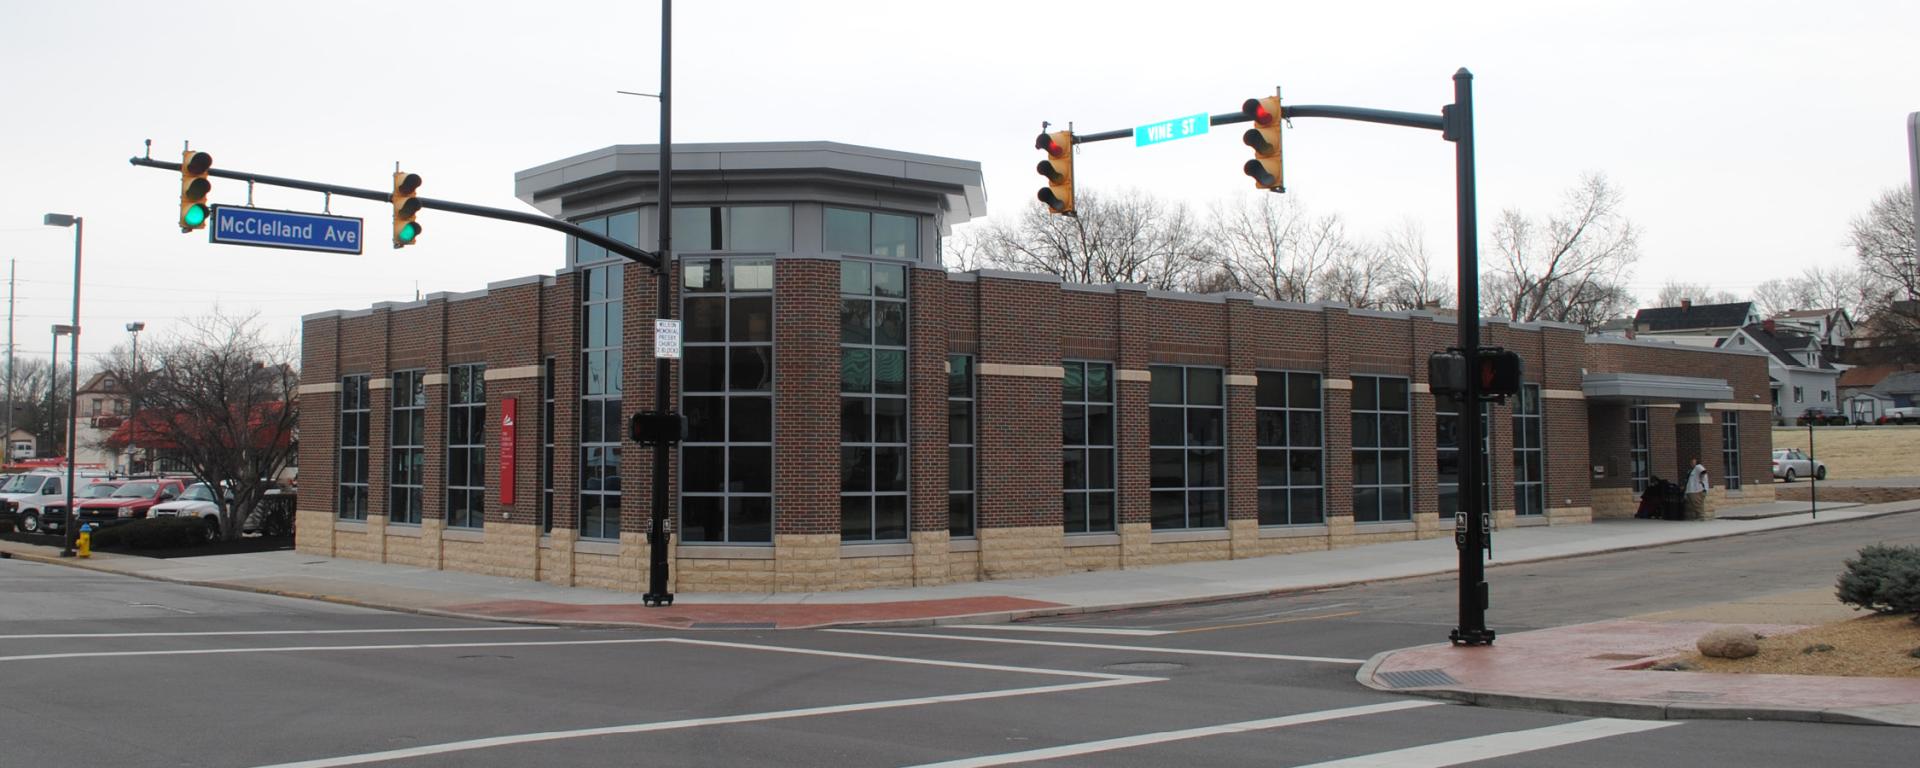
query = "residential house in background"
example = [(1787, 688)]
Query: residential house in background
[(1830, 326), (1867, 391), (1697, 325), (104, 402), (1889, 336), (1804, 382)]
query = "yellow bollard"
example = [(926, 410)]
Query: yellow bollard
[(85, 544)]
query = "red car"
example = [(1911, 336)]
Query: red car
[(131, 500)]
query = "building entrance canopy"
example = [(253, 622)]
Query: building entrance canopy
[(1644, 386)]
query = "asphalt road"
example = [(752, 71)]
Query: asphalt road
[(100, 670)]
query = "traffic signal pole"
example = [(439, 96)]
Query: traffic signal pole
[(1455, 122), (657, 594)]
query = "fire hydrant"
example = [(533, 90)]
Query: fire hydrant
[(85, 543)]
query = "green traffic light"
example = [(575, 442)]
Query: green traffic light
[(194, 216), (409, 231)]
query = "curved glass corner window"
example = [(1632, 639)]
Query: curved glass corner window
[(873, 402), (726, 462), (891, 235)]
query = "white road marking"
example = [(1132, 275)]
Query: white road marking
[(1100, 680), (1128, 742), (1062, 629), (1104, 647), (306, 648), (1496, 745), (252, 632)]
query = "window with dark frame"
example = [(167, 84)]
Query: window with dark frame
[(408, 431), (466, 445), (1730, 450), (1187, 447), (1446, 435), (1639, 450), (873, 401), (1087, 455), (1529, 454), (355, 408), (960, 431), (602, 321), (1289, 434), (1382, 450), (726, 466), (549, 383)]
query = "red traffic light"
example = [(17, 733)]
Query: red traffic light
[(1047, 144), (1257, 109)]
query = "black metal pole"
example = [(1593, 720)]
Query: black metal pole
[(657, 594), (1473, 584), (1813, 474)]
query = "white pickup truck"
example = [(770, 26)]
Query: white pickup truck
[(1905, 415)]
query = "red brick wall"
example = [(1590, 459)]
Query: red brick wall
[(1019, 424), (806, 401)]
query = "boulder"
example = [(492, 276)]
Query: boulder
[(1729, 643)]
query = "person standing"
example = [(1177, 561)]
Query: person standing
[(1697, 491)]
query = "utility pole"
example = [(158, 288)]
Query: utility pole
[(12, 264), (657, 594)]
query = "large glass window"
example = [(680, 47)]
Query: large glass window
[(623, 226), (960, 463), (869, 233), (466, 445), (873, 401), (1639, 449), (1730, 449), (726, 463), (548, 385), (1187, 442), (602, 322), (408, 428), (1529, 454), (1382, 472), (736, 228), (1287, 420), (1087, 447), (1446, 434), (354, 410)]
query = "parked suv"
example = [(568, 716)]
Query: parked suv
[(130, 501), (24, 497), (197, 502)]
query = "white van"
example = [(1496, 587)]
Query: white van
[(29, 493)]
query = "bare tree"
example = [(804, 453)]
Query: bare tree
[(1818, 287), (1414, 281), (219, 397), (1883, 240), (1129, 238), (1276, 249), (1566, 266), (33, 410), (1673, 292)]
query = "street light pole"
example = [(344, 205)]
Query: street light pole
[(73, 382), (134, 328), (657, 594)]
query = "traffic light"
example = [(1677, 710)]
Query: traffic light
[(406, 205), (193, 189), (1058, 168), (1499, 372), (1264, 137)]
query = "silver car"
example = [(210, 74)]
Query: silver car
[(1789, 463)]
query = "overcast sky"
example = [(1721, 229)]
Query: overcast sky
[(1745, 135)]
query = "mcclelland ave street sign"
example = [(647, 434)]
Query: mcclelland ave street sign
[(235, 225)]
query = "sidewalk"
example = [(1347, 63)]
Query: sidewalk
[(1591, 669)]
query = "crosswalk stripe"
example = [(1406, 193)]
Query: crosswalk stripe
[(1105, 647), (1496, 745), (1063, 629), (1145, 739)]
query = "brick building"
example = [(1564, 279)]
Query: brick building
[(860, 417)]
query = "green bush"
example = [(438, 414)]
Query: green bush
[(1883, 579), (152, 533)]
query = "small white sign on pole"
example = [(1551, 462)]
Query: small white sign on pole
[(666, 339)]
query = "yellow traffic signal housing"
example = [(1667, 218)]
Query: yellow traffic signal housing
[(406, 205), (1058, 168), (1264, 137), (194, 187)]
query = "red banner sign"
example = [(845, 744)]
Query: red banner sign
[(508, 443)]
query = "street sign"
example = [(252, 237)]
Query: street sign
[(666, 339), (236, 225), (1168, 130)]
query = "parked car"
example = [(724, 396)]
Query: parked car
[(197, 501), (37, 500), (130, 501), (1789, 463), (1820, 417)]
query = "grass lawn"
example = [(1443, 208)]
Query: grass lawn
[(1852, 453)]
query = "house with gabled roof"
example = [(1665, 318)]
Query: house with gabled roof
[(1701, 325), (1804, 379)]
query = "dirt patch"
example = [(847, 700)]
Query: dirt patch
[(1870, 646), (1860, 453)]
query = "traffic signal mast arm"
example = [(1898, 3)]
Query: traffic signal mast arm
[(1361, 114), (648, 258)]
